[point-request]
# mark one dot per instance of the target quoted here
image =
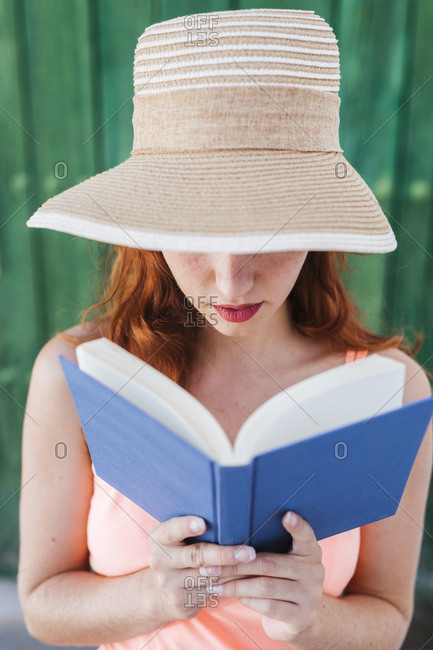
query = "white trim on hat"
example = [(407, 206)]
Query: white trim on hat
[(134, 238)]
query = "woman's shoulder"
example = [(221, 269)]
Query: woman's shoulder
[(56, 345), (400, 355), (417, 384)]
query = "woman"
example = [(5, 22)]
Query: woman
[(217, 207)]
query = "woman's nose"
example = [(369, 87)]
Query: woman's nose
[(234, 274)]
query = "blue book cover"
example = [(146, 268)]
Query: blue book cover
[(337, 480)]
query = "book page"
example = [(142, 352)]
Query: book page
[(326, 401), (154, 393)]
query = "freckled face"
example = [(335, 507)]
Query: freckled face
[(209, 279)]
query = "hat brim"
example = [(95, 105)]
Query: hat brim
[(238, 201)]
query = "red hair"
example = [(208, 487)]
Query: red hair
[(145, 312)]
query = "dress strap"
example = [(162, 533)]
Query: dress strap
[(355, 355)]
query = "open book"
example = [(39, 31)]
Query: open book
[(337, 447)]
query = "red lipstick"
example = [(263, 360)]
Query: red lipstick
[(238, 313)]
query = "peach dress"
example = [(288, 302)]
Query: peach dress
[(117, 534)]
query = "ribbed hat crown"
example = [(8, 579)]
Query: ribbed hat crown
[(290, 48), (214, 80)]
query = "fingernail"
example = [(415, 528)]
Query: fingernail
[(246, 554), (196, 525), (209, 570), (291, 518), (217, 589)]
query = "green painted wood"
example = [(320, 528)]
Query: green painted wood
[(119, 31), (413, 169), (21, 318), (166, 9), (60, 91), (368, 94)]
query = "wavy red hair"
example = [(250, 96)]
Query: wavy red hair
[(144, 311)]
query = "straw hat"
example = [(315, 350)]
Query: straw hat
[(236, 146)]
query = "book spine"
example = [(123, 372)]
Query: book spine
[(233, 495)]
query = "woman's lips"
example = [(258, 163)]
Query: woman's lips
[(244, 306), (240, 314)]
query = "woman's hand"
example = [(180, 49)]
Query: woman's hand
[(180, 587), (286, 588)]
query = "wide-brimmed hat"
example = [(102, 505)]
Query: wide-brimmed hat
[(235, 147)]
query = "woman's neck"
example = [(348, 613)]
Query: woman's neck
[(264, 346)]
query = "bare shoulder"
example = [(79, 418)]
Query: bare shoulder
[(417, 384), (48, 354), (47, 374), (54, 507), (49, 395)]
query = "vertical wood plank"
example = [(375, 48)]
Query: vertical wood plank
[(413, 165), (119, 30), (60, 89), (22, 318), (370, 44)]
